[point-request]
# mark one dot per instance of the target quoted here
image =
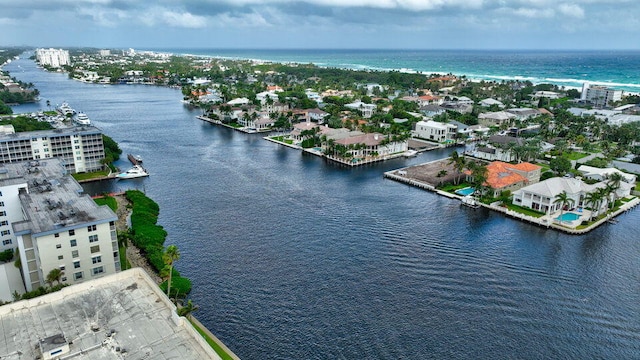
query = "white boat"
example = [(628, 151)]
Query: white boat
[(82, 119), (135, 172), (470, 202), (410, 153), (66, 110)]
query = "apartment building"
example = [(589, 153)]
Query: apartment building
[(80, 148), (45, 215), (53, 57)]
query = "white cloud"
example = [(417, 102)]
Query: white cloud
[(572, 10), (534, 13)]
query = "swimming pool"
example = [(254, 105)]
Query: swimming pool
[(568, 217), (466, 191)]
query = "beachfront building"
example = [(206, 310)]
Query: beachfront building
[(601, 96), (54, 58), (497, 118), (80, 148), (542, 195), (435, 131), (46, 216)]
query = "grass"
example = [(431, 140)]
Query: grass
[(452, 188), (91, 175), (109, 201), (525, 211), (574, 155), (214, 345), (124, 263)]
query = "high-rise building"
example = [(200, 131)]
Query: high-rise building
[(80, 148), (53, 57), (601, 96), (45, 215)]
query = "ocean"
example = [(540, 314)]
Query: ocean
[(617, 69)]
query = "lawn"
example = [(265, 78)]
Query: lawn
[(574, 155), (220, 351), (109, 201), (91, 175), (525, 211)]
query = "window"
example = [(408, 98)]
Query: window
[(3, 213), (4, 222), (64, 278), (5, 232), (74, 254), (93, 238), (1, 203), (97, 270), (95, 249), (58, 246), (115, 254), (96, 259), (73, 242), (60, 257), (62, 267), (76, 264), (91, 228), (72, 232), (6, 242), (77, 276), (56, 235)]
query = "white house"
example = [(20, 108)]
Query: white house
[(372, 145), (490, 102), (541, 196), (435, 131), (366, 109), (497, 118)]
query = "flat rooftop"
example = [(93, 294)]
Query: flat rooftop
[(55, 200), (120, 316)]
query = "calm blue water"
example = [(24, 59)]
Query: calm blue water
[(295, 258), (618, 69)]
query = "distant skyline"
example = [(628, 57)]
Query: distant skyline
[(335, 24)]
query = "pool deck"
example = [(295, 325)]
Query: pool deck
[(403, 175)]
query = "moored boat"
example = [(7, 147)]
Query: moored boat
[(135, 159), (135, 172), (82, 119)]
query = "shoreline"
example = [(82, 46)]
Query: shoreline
[(567, 83)]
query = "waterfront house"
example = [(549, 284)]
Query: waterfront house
[(370, 146), (502, 176), (435, 131), (541, 196), (239, 102)]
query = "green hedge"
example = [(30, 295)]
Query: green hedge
[(149, 237)]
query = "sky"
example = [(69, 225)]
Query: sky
[(322, 24)]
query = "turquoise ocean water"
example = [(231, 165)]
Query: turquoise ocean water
[(617, 69)]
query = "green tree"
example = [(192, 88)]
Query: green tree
[(564, 200), (187, 310), (54, 275), (171, 255), (560, 165)]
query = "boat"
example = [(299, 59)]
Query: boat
[(135, 159), (135, 172), (410, 153), (82, 119), (66, 110), (470, 202)]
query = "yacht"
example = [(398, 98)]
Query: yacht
[(135, 172), (82, 119), (66, 110)]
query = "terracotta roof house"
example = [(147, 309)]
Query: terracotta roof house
[(502, 176)]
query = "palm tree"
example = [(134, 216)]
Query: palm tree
[(593, 199), (459, 163), (614, 182), (187, 309), (170, 255), (54, 275), (564, 200)]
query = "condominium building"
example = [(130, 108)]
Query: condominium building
[(45, 215), (601, 95), (53, 57), (80, 148)]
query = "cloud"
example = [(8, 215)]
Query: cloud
[(572, 10)]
